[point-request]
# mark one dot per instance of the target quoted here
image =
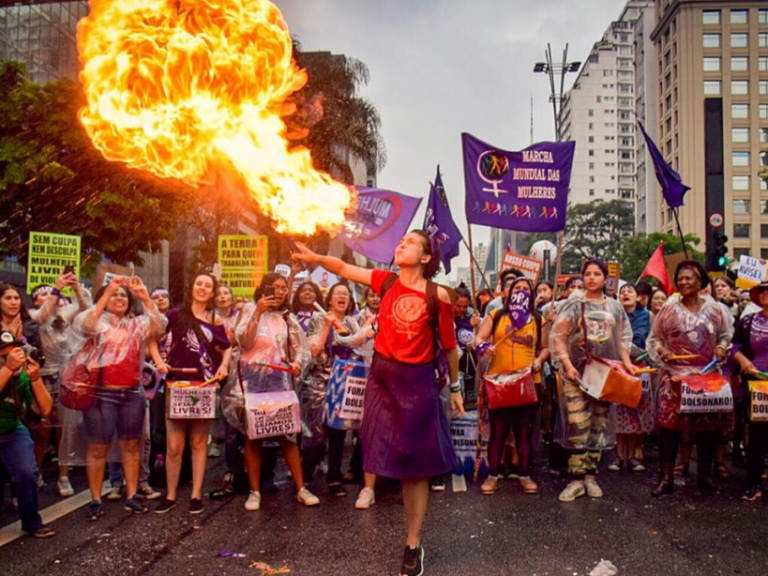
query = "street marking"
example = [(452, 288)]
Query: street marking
[(13, 531)]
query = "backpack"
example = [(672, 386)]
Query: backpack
[(433, 309)]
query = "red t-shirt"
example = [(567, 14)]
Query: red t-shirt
[(404, 332)]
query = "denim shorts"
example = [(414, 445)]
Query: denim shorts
[(120, 411)]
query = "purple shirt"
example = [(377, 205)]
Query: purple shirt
[(190, 353), (758, 341)]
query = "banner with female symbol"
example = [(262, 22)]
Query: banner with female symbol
[(525, 191)]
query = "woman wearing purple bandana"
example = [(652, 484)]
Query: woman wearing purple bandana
[(511, 338)]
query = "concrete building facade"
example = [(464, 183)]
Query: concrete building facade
[(716, 49), (599, 112)]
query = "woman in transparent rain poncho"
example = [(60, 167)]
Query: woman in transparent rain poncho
[(690, 324), (55, 316), (117, 350), (327, 344), (268, 335), (586, 426)]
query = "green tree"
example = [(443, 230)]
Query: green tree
[(332, 119), (637, 250), (53, 179), (592, 230)]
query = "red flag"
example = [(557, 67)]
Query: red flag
[(657, 268)]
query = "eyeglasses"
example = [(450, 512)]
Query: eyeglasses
[(281, 289)]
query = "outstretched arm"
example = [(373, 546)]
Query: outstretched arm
[(334, 265)]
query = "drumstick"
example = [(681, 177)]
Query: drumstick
[(683, 357), (709, 366), (273, 366), (645, 371), (763, 374), (338, 325), (642, 356)]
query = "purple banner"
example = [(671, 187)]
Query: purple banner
[(381, 219), (525, 191)]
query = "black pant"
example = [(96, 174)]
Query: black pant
[(311, 457), (757, 449), (356, 463), (706, 446)]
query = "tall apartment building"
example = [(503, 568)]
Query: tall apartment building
[(42, 35), (599, 110), (716, 49)]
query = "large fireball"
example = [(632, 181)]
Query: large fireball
[(179, 87)]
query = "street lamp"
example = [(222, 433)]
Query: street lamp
[(551, 69)]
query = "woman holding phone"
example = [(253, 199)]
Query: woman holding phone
[(200, 351)]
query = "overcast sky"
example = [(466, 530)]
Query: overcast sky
[(443, 67)]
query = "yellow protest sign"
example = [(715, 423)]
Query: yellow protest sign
[(49, 254), (244, 261)]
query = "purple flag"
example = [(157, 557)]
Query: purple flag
[(525, 191), (439, 223), (381, 219), (671, 184)]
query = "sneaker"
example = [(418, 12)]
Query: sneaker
[(616, 466), (572, 491), (752, 494), (413, 561), (593, 490), (43, 532), (635, 465), (148, 493), (490, 485), (528, 485), (337, 489), (133, 504), (65, 488), (254, 501), (115, 494), (196, 506), (307, 498), (165, 506), (94, 511), (214, 451), (437, 485), (366, 499)]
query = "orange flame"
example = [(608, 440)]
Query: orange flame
[(177, 87)]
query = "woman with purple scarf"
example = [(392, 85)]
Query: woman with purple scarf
[(516, 335)]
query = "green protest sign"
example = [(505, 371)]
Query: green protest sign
[(49, 254)]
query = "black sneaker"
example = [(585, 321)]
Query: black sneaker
[(165, 506), (337, 489), (195, 506), (94, 511), (437, 485), (135, 505), (43, 532), (753, 494), (222, 493), (413, 562)]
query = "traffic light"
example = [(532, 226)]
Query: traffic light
[(721, 250)]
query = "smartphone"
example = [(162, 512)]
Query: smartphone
[(269, 291), (69, 269)]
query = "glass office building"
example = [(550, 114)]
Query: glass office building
[(42, 35)]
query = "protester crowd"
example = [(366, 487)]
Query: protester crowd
[(89, 378)]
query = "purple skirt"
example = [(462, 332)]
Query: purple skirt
[(405, 429)]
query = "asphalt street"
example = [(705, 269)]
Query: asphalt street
[(509, 533)]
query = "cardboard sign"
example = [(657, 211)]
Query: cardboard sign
[(324, 279), (464, 439), (270, 414), (758, 393), (344, 396), (752, 271), (244, 261), (189, 400), (530, 268), (48, 255), (705, 394)]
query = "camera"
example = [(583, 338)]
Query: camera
[(36, 354)]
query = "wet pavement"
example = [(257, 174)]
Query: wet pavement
[(509, 533)]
